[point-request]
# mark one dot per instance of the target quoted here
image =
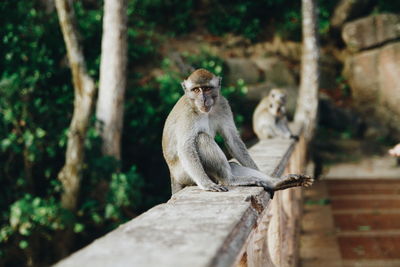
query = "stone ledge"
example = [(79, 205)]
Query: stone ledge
[(194, 228)]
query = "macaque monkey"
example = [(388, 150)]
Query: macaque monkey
[(269, 119), (193, 156)]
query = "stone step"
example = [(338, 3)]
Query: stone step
[(363, 187), (367, 221), (371, 263), (369, 245), (371, 233), (368, 190), (366, 211), (343, 183), (364, 224), (318, 243), (367, 202)]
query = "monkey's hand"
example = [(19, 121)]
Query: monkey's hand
[(214, 187), (293, 180)]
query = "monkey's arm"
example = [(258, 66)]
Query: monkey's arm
[(191, 163), (235, 145), (284, 130)]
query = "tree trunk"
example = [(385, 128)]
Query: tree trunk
[(110, 103), (84, 89), (307, 103)]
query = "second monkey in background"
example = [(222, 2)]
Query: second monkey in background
[(269, 119)]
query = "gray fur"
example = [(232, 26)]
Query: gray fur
[(194, 158), (269, 119)]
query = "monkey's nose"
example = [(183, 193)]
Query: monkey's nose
[(204, 99)]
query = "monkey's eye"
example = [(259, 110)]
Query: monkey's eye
[(196, 90), (207, 88)]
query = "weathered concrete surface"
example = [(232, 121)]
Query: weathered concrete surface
[(194, 228), (190, 230)]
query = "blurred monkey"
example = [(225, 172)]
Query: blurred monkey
[(269, 118)]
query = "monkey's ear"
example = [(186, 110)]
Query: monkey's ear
[(183, 86), (187, 85), (215, 81)]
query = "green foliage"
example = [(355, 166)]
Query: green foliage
[(235, 16), (32, 220), (36, 105), (387, 6), (252, 19), (31, 214), (174, 15), (121, 193), (247, 18)]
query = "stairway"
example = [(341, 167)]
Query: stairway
[(352, 222)]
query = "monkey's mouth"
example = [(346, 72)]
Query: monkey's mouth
[(205, 109)]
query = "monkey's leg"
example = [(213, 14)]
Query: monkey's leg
[(213, 160), (175, 186), (245, 176), (231, 173)]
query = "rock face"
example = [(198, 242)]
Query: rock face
[(275, 71), (272, 70), (374, 77), (371, 31), (242, 68), (373, 69)]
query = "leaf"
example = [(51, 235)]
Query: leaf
[(23, 244), (78, 227)]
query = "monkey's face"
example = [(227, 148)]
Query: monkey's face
[(276, 109), (278, 96), (202, 88), (203, 97)]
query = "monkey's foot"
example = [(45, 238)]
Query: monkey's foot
[(295, 137), (293, 180), (215, 188)]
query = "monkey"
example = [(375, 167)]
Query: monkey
[(269, 118), (192, 155)]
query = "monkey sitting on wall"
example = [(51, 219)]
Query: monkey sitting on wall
[(269, 118), (192, 155)]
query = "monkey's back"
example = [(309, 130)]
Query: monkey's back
[(262, 119), (175, 123)]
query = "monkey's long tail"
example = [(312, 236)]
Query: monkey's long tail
[(293, 180)]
